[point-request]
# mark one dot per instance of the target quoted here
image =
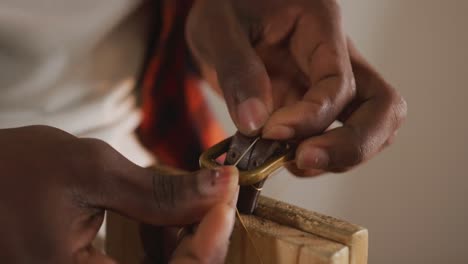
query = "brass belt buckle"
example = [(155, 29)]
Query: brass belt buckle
[(208, 161)]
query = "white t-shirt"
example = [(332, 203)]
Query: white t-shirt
[(72, 65)]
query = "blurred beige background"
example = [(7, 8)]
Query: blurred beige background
[(413, 197)]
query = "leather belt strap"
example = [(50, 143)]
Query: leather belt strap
[(159, 242), (255, 157)]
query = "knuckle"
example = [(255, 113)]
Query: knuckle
[(400, 108), (319, 105), (94, 147), (315, 112), (86, 168), (97, 152), (396, 106), (357, 153), (329, 104), (42, 127), (165, 188), (346, 90), (51, 133), (390, 140), (171, 191)]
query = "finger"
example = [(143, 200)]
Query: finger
[(152, 196), (180, 199), (241, 74), (366, 130), (319, 47), (210, 242)]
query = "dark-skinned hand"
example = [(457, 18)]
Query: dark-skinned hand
[(287, 72), (55, 188)]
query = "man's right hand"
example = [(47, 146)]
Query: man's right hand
[(55, 188), (287, 72)]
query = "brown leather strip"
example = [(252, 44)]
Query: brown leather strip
[(260, 153)]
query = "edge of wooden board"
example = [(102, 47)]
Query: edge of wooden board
[(353, 236), (278, 244)]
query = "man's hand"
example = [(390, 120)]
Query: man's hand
[(286, 69), (55, 188)]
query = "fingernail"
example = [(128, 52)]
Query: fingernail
[(252, 115), (312, 158), (220, 181), (279, 132)]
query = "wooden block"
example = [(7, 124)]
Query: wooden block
[(353, 236), (277, 244)]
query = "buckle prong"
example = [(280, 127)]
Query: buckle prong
[(208, 161)]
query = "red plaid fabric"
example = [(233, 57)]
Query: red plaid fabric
[(177, 124)]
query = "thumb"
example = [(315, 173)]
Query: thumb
[(149, 195), (161, 198), (222, 44)]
